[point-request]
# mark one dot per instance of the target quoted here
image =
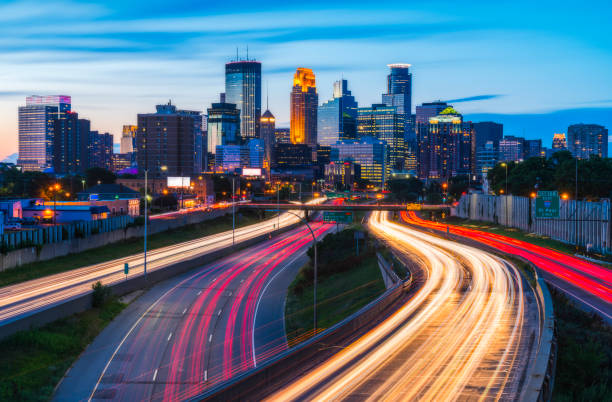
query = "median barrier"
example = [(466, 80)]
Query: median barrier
[(272, 374), (83, 302)]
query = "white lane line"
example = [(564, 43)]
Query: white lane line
[(184, 311), (577, 297), (205, 375), (210, 338), (199, 293), (155, 375), (219, 313), (169, 336)]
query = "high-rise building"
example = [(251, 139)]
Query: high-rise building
[(446, 146), (100, 150), (385, 123), (399, 89), (243, 88), (511, 149), (128, 138), (37, 129), (223, 125), (304, 101), (532, 149), (559, 142), (336, 118), (70, 144), (371, 154), (486, 158), (585, 140), (268, 123), (282, 136), (486, 131), (427, 110), (288, 156), (166, 138)]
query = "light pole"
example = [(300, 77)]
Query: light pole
[(146, 216), (278, 205), (54, 189), (504, 164), (576, 204), (233, 209)]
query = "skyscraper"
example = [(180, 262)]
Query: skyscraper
[(128, 138), (371, 154), (268, 123), (427, 110), (304, 102), (336, 118), (399, 88), (384, 123), (70, 144), (282, 136), (511, 148), (445, 146), (166, 138), (486, 131), (37, 130), (559, 142), (100, 150), (532, 149), (585, 140), (223, 125), (243, 88)]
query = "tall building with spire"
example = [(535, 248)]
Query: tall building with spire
[(268, 125), (243, 88), (304, 102)]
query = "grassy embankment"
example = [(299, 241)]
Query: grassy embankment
[(33, 362), (346, 282), (125, 248)]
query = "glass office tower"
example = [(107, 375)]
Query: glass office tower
[(37, 129), (336, 118), (304, 103), (385, 123), (399, 88), (369, 153), (243, 88)]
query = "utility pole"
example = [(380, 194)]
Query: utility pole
[(145, 223), (576, 204), (233, 210)]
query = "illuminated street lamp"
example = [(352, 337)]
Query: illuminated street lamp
[(54, 189), (146, 197)]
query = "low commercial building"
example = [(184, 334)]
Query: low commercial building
[(120, 199), (65, 213)]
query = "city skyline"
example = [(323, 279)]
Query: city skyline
[(115, 64)]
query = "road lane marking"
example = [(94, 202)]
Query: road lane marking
[(199, 293), (155, 375), (219, 313), (205, 375), (210, 338), (169, 336), (184, 311)]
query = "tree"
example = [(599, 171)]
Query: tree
[(405, 190), (101, 175)]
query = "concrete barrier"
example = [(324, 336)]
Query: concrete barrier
[(83, 302), (252, 384)]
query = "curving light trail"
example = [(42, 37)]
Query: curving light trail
[(461, 336), (34, 295)]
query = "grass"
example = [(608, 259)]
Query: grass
[(518, 234), (123, 249), (584, 363), (33, 362), (346, 283)]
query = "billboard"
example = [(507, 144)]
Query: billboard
[(251, 171), (179, 182)]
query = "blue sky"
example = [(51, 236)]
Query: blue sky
[(496, 59)]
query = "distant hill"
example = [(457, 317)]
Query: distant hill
[(11, 158)]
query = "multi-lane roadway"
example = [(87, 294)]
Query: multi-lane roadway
[(466, 334), (203, 329), (589, 284)]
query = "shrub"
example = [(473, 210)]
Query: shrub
[(101, 294)]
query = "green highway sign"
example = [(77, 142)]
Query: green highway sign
[(547, 204), (338, 217)]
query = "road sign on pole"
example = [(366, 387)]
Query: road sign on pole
[(338, 217), (126, 269), (547, 204)]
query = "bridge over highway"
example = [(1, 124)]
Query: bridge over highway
[(348, 207)]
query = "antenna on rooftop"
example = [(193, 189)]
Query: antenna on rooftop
[(237, 54), (247, 53)]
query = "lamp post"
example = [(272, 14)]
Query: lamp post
[(233, 210), (505, 165), (146, 216), (54, 189), (278, 205), (576, 204)]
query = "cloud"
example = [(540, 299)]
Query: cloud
[(473, 98)]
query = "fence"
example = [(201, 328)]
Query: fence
[(58, 233), (580, 222)]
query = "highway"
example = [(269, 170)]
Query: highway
[(25, 298), (587, 283), (196, 333), (466, 334)]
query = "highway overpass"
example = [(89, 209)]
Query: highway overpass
[(347, 207)]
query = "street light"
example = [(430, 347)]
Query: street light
[(54, 189), (503, 164), (146, 216)]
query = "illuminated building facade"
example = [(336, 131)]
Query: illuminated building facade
[(223, 125), (585, 140), (100, 150), (446, 146), (383, 122), (304, 102), (282, 136), (267, 127), (243, 88), (399, 88), (336, 118), (37, 129), (559, 142), (128, 139), (71, 144), (166, 138), (371, 154), (511, 149)]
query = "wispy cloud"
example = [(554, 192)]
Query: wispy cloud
[(473, 98)]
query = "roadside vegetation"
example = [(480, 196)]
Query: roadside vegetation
[(33, 362), (125, 248), (346, 282), (584, 362)]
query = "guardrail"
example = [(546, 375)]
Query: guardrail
[(541, 373), (251, 385), (83, 302)]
